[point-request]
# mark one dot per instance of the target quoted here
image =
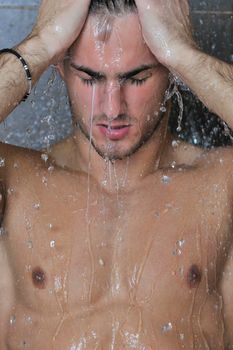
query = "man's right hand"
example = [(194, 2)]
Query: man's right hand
[(58, 25)]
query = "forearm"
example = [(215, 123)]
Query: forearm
[(210, 79), (167, 31), (13, 82)]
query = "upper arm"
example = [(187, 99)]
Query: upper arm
[(5, 281), (220, 169), (225, 158)]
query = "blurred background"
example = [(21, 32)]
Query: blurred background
[(45, 118)]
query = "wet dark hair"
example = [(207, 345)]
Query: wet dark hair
[(112, 6)]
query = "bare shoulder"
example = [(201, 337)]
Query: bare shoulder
[(219, 159), (17, 165), (11, 156)]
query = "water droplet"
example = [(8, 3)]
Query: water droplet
[(181, 242), (120, 239), (173, 165), (2, 162), (50, 168), (101, 262), (30, 244), (28, 319), (167, 327), (177, 252), (182, 336), (28, 224), (181, 271), (44, 157), (12, 319), (132, 340), (3, 231), (104, 183), (28, 268), (178, 129), (163, 109), (166, 179), (175, 143), (50, 226), (10, 191), (52, 244), (57, 283), (58, 29), (45, 181)]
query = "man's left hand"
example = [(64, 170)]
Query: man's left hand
[(166, 28)]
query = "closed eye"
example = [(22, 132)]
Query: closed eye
[(89, 82), (138, 82), (133, 81)]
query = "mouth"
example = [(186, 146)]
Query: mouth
[(114, 127), (114, 132)]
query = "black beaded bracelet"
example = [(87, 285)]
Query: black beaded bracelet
[(26, 68)]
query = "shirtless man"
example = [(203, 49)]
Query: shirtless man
[(119, 237)]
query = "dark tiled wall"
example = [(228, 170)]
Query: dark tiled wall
[(213, 26), (45, 116), (213, 29)]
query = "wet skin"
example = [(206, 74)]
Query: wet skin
[(148, 257), (133, 256)]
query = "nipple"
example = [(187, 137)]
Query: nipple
[(194, 276), (38, 278)]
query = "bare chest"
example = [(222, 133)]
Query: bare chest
[(86, 247)]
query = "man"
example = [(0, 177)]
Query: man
[(120, 236)]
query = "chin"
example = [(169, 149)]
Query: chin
[(115, 152)]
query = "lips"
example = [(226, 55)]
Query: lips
[(114, 132)]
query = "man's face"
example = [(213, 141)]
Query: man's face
[(115, 85)]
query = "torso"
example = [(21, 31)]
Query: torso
[(88, 269)]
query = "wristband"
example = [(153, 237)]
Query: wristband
[(26, 69)]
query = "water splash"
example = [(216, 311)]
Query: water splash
[(172, 90), (88, 221)]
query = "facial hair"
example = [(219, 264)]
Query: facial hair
[(110, 154)]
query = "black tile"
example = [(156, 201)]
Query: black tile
[(211, 5), (214, 34)]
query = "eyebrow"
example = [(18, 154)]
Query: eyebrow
[(122, 76)]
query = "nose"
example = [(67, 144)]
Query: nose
[(112, 103)]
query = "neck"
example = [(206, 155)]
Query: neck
[(77, 154)]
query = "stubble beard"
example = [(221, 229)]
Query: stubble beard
[(110, 153)]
